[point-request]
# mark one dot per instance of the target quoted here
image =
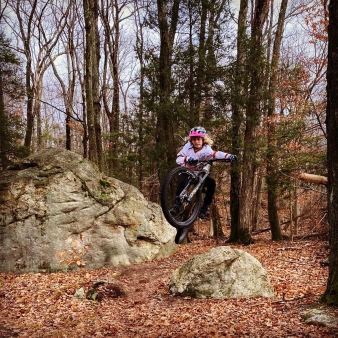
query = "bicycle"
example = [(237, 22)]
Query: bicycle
[(190, 198)]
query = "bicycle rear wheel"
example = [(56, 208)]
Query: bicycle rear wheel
[(187, 210)]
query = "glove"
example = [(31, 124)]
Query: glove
[(231, 157), (192, 161)]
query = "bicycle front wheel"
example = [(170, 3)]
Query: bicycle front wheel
[(176, 188)]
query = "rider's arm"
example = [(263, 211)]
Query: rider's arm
[(180, 159), (184, 154), (217, 154), (181, 156), (221, 155)]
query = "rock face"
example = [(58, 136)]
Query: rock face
[(56, 206), (222, 272)]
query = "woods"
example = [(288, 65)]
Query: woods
[(122, 82)]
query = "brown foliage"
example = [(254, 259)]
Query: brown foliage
[(135, 301)]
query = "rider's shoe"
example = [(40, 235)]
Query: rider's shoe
[(203, 212), (174, 211), (181, 235)]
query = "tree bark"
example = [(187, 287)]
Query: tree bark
[(111, 17), (29, 89), (31, 24), (330, 295), (237, 120), (165, 123), (258, 199), (253, 117), (215, 223), (200, 77), (92, 57), (310, 178), (272, 173)]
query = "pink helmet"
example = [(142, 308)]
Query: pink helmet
[(197, 131)]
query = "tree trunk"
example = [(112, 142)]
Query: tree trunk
[(165, 124), (258, 199), (272, 172), (29, 88), (91, 80), (310, 178), (116, 88), (191, 67), (237, 120), (37, 113), (253, 117), (140, 50), (215, 223), (96, 92), (201, 62), (330, 296), (3, 127), (110, 15), (29, 109)]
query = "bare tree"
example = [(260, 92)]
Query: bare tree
[(331, 293), (272, 176), (237, 118), (112, 14), (68, 84), (92, 58), (39, 38), (3, 6), (253, 118), (167, 12)]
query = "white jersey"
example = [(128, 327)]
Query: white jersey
[(205, 153)]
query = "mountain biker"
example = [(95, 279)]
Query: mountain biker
[(198, 148)]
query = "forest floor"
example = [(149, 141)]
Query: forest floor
[(136, 301)]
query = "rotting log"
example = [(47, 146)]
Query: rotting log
[(310, 178)]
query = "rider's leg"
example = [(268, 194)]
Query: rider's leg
[(182, 181), (210, 185)]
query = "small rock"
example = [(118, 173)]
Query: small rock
[(319, 317), (79, 293)]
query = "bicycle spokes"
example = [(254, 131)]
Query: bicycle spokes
[(179, 205)]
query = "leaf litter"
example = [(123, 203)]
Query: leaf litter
[(134, 301)]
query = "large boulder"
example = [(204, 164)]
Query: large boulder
[(221, 272), (55, 206)]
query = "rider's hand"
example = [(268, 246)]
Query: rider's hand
[(231, 157), (192, 161)]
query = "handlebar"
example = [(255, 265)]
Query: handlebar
[(220, 160), (210, 161)]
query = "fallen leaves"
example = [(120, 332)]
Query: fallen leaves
[(135, 301)]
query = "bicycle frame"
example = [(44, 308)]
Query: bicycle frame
[(190, 197), (206, 170)]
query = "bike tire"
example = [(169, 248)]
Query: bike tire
[(188, 211)]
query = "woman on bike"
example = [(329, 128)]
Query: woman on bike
[(198, 148)]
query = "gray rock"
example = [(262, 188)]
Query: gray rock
[(221, 272), (55, 205), (319, 317), (79, 293)]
